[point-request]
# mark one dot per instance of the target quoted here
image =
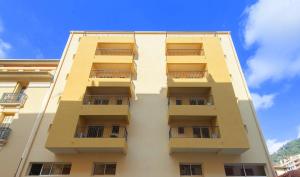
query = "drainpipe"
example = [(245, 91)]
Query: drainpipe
[(40, 116)]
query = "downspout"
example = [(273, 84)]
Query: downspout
[(252, 108), (40, 116)]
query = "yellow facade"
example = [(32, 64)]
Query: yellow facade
[(146, 104)]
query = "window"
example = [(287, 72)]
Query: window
[(178, 102), (119, 101), (104, 169), (7, 120), (190, 169), (197, 101), (115, 131), (180, 130), (244, 170), (201, 132), (95, 131), (101, 101), (38, 169)]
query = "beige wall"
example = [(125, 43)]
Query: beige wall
[(21, 127), (148, 151)]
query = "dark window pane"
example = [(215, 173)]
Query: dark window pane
[(67, 169), (115, 131), (185, 170), (193, 102), (205, 132), (196, 132), (99, 169), (234, 170), (180, 130), (119, 102), (201, 102), (110, 169), (255, 170), (196, 170), (35, 169), (178, 102), (105, 101), (46, 169), (95, 131), (57, 169)]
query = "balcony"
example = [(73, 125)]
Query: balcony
[(191, 106), (108, 106), (185, 52), (4, 133), (115, 52), (195, 139), (112, 78), (13, 99), (89, 134)]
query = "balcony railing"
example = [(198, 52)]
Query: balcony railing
[(187, 74), (98, 131), (13, 98), (195, 132), (184, 52), (98, 73), (191, 100), (114, 51), (106, 100), (4, 132)]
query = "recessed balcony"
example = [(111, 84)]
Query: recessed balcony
[(115, 52), (13, 99), (185, 52), (188, 75), (201, 138)]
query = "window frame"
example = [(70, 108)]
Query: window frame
[(243, 168), (190, 169), (104, 170), (51, 167)]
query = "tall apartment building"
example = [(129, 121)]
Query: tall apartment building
[(144, 104), (23, 86)]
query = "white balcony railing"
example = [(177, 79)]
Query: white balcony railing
[(195, 132), (13, 98), (106, 100)]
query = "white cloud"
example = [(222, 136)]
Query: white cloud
[(263, 101), (274, 145), (4, 46), (273, 26)]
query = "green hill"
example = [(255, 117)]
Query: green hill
[(291, 148)]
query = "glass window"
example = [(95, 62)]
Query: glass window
[(178, 102), (119, 101), (245, 170), (180, 130), (254, 170), (104, 169), (35, 169), (197, 132), (38, 169), (115, 131), (205, 132), (190, 169), (95, 131)]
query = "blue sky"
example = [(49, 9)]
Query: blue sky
[(265, 33)]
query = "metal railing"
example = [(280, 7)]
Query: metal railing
[(184, 52), (187, 74), (13, 98), (4, 132), (191, 100), (195, 132), (98, 73), (99, 131), (106, 100), (114, 51)]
